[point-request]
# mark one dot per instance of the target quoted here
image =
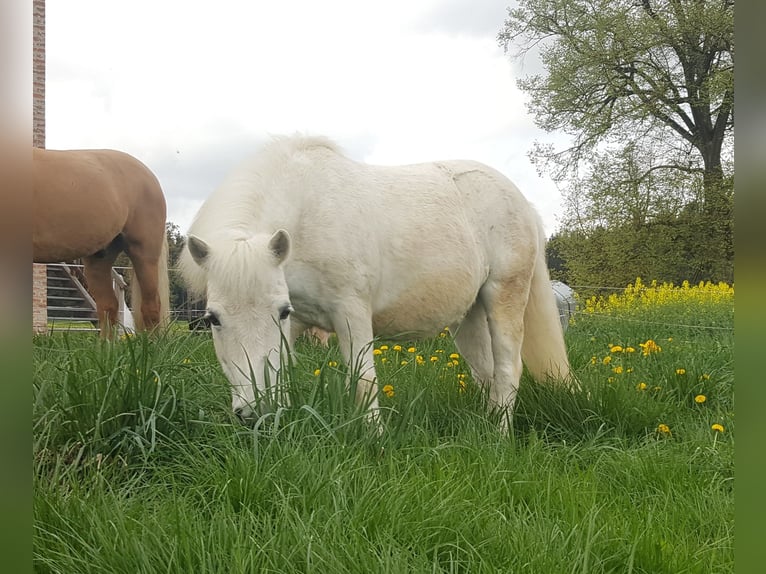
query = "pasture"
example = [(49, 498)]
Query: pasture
[(139, 465)]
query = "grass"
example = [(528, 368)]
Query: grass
[(140, 467)]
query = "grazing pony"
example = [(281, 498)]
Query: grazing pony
[(302, 236), (93, 204)]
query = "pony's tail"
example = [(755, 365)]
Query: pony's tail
[(543, 349), (163, 288)]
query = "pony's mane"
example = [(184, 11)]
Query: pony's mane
[(235, 258), (241, 195)]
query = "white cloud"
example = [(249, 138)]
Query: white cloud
[(191, 88)]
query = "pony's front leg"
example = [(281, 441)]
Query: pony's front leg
[(354, 331)]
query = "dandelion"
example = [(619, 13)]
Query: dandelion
[(641, 386), (617, 370), (411, 350), (332, 363), (397, 348), (377, 352), (455, 363), (630, 350), (616, 349), (403, 363), (649, 347), (717, 428), (454, 356), (384, 360), (629, 370), (607, 360), (461, 385), (593, 360), (384, 347), (420, 360), (680, 371), (699, 399), (704, 377), (434, 358), (663, 429), (389, 390), (317, 372)]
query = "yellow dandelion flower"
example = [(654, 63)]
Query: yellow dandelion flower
[(718, 428), (384, 360), (630, 350), (389, 390), (420, 360), (461, 385), (607, 360), (663, 429), (616, 349), (397, 348), (641, 386), (332, 363), (454, 356), (317, 372), (649, 347), (680, 371), (411, 350), (384, 347), (699, 399), (461, 376), (434, 358), (377, 352), (617, 370), (403, 363), (593, 360), (629, 370), (455, 363)]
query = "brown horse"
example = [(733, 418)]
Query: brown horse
[(93, 204)]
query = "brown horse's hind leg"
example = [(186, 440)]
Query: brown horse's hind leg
[(98, 272), (146, 272)]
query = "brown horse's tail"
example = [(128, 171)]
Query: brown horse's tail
[(163, 288), (543, 349)]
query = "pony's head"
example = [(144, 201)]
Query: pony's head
[(248, 307)]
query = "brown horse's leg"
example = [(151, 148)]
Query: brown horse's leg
[(98, 272), (146, 272)]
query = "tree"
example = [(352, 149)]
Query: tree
[(645, 90)]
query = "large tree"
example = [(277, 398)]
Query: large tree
[(644, 88)]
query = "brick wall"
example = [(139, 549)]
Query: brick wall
[(39, 274), (38, 73)]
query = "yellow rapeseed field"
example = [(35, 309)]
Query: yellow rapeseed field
[(638, 296)]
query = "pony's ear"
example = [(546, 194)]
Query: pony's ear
[(279, 244), (199, 250)]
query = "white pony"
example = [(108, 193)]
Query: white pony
[(302, 236)]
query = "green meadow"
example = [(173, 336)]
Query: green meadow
[(139, 465)]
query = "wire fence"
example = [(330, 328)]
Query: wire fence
[(190, 309)]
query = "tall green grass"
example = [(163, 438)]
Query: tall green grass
[(139, 466)]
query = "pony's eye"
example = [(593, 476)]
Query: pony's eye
[(211, 319), (284, 312)]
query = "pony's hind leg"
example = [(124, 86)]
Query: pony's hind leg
[(98, 273), (504, 302), (474, 343)]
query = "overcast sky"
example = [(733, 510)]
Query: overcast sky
[(192, 88)]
